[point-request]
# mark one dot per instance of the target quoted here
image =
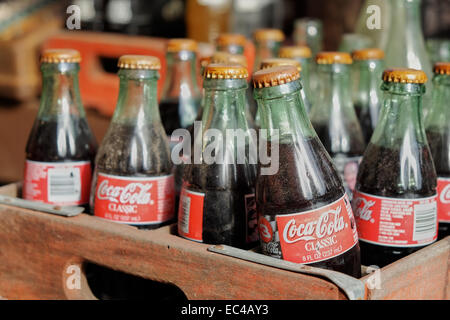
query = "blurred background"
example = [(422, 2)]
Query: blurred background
[(102, 30)]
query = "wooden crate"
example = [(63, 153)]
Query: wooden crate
[(36, 250)]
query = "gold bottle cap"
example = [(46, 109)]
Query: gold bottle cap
[(177, 45), (277, 62), (330, 57), (291, 52), (225, 57), (404, 76), (269, 35), (139, 62), (225, 71), (227, 39), (275, 76), (60, 56), (368, 54), (442, 68)]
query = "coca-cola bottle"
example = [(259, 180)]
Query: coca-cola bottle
[(334, 117), (181, 96), (437, 128), (217, 204), (304, 214), (231, 42), (61, 148), (303, 55), (133, 181), (367, 96), (267, 44), (395, 197)]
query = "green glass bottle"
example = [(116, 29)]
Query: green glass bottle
[(437, 128), (217, 203), (61, 147), (368, 67), (333, 116), (267, 44), (133, 181), (233, 43), (303, 55), (302, 196), (395, 197)]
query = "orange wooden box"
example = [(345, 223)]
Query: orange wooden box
[(36, 249)]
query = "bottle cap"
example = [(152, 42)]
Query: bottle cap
[(227, 39), (295, 52), (139, 62), (368, 54), (60, 56), (177, 45), (404, 76), (442, 68), (225, 57), (329, 57), (204, 61), (275, 76), (277, 62), (225, 71), (269, 35)]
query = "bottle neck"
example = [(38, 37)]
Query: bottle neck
[(282, 112), (367, 81), (231, 48), (137, 103), (60, 91), (400, 124), (438, 118), (181, 76)]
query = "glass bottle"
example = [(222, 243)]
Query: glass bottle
[(231, 42), (133, 181), (395, 197), (437, 128), (308, 32), (405, 47), (304, 214), (181, 96), (217, 203), (368, 67), (267, 44), (61, 147), (333, 116), (303, 55)]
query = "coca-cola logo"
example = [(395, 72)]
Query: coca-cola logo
[(328, 223), (132, 193), (444, 197), (363, 208)]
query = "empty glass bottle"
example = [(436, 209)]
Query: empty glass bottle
[(217, 203), (395, 197), (304, 214), (133, 181), (437, 128), (61, 147), (334, 117), (368, 66)]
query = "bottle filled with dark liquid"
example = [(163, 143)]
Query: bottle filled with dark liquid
[(367, 96), (437, 128), (304, 214), (334, 117), (217, 200), (133, 180), (61, 147), (395, 197)]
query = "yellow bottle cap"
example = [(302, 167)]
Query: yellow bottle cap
[(277, 62), (404, 76), (60, 56), (225, 71), (275, 76), (269, 35), (442, 68), (368, 54), (139, 62), (177, 45), (330, 57), (227, 39), (291, 52)]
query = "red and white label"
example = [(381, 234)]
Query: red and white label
[(314, 235), (394, 221), (190, 214), (135, 200), (60, 183), (443, 206)]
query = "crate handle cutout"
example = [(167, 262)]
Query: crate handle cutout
[(353, 288)]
